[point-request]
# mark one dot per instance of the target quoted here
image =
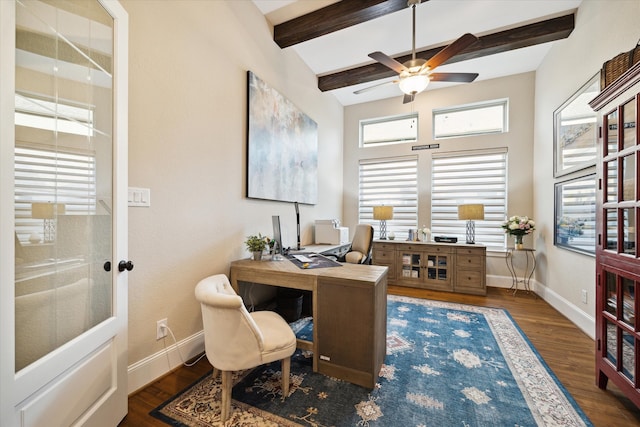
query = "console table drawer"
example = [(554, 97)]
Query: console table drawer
[(432, 249), (469, 279), (469, 261), (383, 256)]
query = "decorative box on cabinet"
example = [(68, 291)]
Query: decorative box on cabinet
[(617, 222), (435, 266)]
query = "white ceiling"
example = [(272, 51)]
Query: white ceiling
[(438, 22)]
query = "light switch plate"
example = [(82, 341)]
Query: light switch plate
[(139, 197)]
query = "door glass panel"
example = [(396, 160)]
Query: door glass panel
[(629, 177), (612, 229), (612, 180), (611, 297), (612, 343), (612, 132), (629, 231), (63, 173), (629, 123), (628, 356), (628, 301)]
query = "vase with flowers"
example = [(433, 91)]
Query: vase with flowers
[(256, 245), (518, 227)]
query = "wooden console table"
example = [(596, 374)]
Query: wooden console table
[(452, 267), (349, 311)]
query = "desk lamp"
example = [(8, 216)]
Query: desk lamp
[(47, 212), (471, 213), (383, 213)]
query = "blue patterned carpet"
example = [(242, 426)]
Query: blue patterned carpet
[(447, 365)]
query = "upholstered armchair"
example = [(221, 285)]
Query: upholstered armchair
[(235, 339), (360, 251)]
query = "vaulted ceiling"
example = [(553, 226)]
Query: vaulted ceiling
[(335, 38)]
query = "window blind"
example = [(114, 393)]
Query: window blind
[(469, 177), (48, 176), (391, 182)]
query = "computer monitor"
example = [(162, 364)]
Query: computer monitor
[(277, 234)]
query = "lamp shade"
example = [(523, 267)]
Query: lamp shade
[(414, 84), (46, 210), (383, 212), (471, 212)]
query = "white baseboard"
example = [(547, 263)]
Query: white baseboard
[(151, 368), (581, 319)]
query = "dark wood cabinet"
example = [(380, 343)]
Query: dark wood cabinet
[(617, 222)]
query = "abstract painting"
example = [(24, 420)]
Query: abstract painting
[(282, 147)]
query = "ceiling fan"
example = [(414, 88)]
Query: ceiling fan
[(415, 74)]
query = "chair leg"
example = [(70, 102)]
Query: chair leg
[(215, 372), (226, 395), (286, 369)]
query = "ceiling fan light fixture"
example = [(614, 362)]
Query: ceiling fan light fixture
[(414, 84)]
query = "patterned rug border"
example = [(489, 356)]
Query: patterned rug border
[(519, 358)]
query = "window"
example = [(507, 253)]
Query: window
[(471, 119), (392, 182), (389, 130), (54, 116), (43, 175), (470, 177)]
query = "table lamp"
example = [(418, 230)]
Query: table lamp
[(47, 212), (383, 213), (470, 213)]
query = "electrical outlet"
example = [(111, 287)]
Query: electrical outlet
[(161, 328), (584, 296)]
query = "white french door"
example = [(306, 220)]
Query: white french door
[(63, 212)]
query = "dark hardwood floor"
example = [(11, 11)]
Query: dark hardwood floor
[(567, 350)]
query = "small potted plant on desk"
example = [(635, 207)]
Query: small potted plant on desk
[(256, 245)]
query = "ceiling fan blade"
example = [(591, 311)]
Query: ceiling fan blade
[(408, 98), (453, 77), (388, 61), (452, 50), (366, 89)]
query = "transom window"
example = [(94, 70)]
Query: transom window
[(389, 130), (471, 119), (470, 177)]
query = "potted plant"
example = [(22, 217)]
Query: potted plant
[(256, 244)]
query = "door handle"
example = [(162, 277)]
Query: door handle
[(125, 265)]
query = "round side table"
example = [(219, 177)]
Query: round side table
[(526, 273)]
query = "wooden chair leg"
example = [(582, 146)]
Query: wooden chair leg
[(215, 372), (286, 369), (226, 395)]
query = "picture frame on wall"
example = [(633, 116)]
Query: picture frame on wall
[(282, 147), (575, 214), (575, 127)]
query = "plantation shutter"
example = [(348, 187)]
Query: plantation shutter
[(391, 182), (470, 177)]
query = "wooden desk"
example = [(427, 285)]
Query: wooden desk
[(349, 313)]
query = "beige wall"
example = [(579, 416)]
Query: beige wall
[(519, 89), (603, 29), (187, 130)]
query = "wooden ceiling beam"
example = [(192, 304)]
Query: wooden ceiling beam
[(503, 41), (332, 18)]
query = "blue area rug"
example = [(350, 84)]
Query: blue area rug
[(447, 365)]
